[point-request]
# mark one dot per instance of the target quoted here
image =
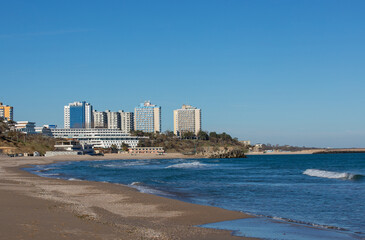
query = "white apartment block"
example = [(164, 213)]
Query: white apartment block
[(113, 119), (89, 123), (147, 117), (66, 116), (187, 119), (100, 119), (127, 121), (98, 137)]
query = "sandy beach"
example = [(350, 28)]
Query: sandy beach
[(33, 207)]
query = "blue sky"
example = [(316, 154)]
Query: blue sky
[(280, 72)]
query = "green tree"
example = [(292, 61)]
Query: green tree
[(3, 126), (213, 135), (203, 135), (187, 135), (125, 147), (169, 133), (138, 133), (114, 148)]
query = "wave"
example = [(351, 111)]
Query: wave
[(145, 189), (304, 223), (332, 175), (121, 165), (74, 179), (188, 165), (48, 174), (46, 169)]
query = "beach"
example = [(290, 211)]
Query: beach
[(34, 207)]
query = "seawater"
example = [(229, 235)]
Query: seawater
[(324, 191)]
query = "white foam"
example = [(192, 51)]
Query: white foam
[(48, 174), (145, 189), (188, 165), (329, 174), (136, 183), (123, 165), (74, 179)]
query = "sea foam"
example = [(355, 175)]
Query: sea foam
[(188, 165), (146, 189), (332, 175)]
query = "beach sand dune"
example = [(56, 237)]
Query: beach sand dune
[(32, 207)]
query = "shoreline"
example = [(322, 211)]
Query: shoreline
[(95, 210), (312, 151)]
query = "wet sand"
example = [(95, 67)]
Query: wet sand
[(32, 207)]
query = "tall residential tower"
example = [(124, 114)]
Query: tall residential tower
[(187, 119), (100, 119), (127, 121), (6, 112), (147, 117), (113, 119)]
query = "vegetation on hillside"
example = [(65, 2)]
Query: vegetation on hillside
[(17, 142), (285, 148), (188, 143)]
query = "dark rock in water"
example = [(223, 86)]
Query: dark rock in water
[(235, 153)]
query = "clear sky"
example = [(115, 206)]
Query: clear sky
[(278, 71)]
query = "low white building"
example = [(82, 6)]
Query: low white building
[(25, 127), (70, 147), (98, 137)]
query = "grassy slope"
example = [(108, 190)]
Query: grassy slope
[(27, 144)]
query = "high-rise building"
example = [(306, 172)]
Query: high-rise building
[(100, 119), (78, 115), (147, 117), (187, 119), (89, 119), (6, 112), (127, 121), (113, 119)]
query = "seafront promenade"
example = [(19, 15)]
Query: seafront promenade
[(33, 207)]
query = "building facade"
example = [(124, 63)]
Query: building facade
[(113, 119), (100, 119), (127, 121), (78, 115), (147, 117), (45, 130), (187, 119), (98, 137), (139, 150), (25, 127), (6, 112)]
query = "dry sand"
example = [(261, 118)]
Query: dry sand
[(33, 207)]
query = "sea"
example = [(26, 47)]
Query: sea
[(314, 196)]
